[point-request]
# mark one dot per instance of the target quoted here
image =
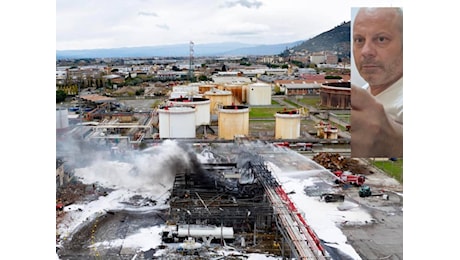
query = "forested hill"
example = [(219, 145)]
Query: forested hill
[(336, 39)]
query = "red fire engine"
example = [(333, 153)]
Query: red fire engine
[(348, 177)]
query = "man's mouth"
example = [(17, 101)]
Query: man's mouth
[(370, 66)]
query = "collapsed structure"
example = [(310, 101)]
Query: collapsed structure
[(239, 202)]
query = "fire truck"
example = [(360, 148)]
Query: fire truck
[(282, 144), (348, 177)]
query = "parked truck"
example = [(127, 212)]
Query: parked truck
[(350, 178)]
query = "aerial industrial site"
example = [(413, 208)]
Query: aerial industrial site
[(193, 177)]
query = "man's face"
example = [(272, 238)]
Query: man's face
[(377, 46)]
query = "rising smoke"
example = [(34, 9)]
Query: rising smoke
[(149, 170)]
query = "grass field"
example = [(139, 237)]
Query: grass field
[(394, 169), (264, 112), (310, 101)]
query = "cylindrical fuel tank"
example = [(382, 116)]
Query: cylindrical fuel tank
[(218, 98), (202, 108), (287, 124), (259, 94), (238, 92), (233, 120), (177, 122)]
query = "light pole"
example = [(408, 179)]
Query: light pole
[(221, 226)]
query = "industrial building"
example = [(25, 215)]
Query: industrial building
[(336, 95), (239, 202)]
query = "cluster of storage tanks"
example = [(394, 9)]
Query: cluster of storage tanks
[(195, 105), (183, 115)]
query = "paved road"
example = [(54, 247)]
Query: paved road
[(382, 239)]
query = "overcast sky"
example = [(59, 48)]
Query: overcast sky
[(89, 24)]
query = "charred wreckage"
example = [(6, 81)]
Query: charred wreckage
[(242, 204)]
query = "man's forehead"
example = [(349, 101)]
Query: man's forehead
[(375, 11), (380, 15)]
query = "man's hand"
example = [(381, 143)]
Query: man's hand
[(373, 132)]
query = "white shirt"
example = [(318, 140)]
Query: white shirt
[(392, 100)]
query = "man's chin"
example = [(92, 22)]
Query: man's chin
[(371, 71), (372, 79)]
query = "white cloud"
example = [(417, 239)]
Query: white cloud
[(244, 29), (162, 26), (148, 14), (88, 24), (244, 3)]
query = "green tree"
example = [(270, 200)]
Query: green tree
[(60, 96), (202, 78), (298, 63), (139, 92)]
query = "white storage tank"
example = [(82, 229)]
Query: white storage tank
[(287, 124), (62, 118), (201, 105), (259, 94), (233, 120), (177, 122)]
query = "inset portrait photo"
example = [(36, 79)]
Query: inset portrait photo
[(377, 82)]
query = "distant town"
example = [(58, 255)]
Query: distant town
[(117, 76)]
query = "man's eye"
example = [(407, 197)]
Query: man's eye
[(381, 39), (359, 40)]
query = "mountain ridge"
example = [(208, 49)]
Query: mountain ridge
[(177, 50), (337, 39)]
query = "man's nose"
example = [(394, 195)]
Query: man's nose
[(368, 49)]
